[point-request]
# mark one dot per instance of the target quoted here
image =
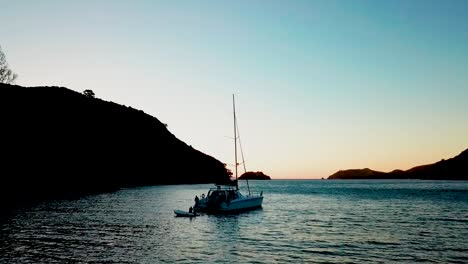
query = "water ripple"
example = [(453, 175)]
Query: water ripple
[(301, 221)]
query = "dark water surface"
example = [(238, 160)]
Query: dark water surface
[(301, 221)]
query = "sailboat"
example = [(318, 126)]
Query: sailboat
[(228, 198)]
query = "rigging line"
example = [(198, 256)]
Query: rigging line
[(241, 150), (242, 154)]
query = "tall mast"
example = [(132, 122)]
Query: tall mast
[(235, 138)]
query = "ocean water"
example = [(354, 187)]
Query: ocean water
[(301, 222)]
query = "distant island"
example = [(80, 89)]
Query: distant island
[(455, 168), (58, 142), (251, 175)]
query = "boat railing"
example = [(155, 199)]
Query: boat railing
[(256, 193), (232, 188), (223, 188)]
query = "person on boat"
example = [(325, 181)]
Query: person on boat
[(231, 195), (203, 196), (222, 197), (196, 200), (190, 210)]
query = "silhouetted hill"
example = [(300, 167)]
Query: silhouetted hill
[(251, 175), (357, 174), (56, 141), (452, 169)]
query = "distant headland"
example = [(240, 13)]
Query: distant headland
[(455, 168), (251, 175), (58, 142)]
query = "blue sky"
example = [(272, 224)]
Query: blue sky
[(320, 85)]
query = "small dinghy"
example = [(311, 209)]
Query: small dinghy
[(181, 213)]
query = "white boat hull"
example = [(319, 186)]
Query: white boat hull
[(243, 203)]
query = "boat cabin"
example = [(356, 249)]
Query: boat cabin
[(223, 193)]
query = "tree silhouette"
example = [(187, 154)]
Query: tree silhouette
[(89, 93), (6, 74), (229, 172)]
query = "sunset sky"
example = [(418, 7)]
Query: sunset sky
[(320, 85)]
